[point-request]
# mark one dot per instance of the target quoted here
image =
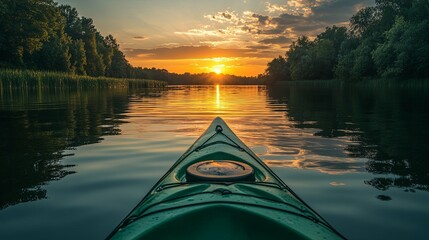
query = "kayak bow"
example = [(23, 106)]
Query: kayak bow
[(219, 189)]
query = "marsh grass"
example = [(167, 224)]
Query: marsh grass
[(311, 83), (33, 80), (395, 83), (422, 84)]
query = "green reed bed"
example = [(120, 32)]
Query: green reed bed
[(18, 79), (405, 83), (310, 83)]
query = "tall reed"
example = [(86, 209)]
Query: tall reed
[(32, 80), (404, 83)]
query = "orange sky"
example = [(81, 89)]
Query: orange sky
[(234, 37), (238, 66), (197, 59)]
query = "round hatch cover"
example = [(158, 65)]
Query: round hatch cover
[(219, 170)]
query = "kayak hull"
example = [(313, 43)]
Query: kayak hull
[(223, 220), (261, 207)]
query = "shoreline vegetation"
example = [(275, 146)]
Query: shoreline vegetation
[(41, 35), (421, 83), (385, 41), (36, 80)]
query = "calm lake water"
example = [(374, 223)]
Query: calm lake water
[(73, 164)]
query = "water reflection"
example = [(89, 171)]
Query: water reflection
[(39, 128), (332, 130), (387, 127), (260, 121), (217, 96), (341, 137)]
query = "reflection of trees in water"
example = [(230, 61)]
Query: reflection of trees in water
[(388, 126), (36, 129)]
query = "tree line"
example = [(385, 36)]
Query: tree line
[(388, 40), (211, 78), (42, 35)]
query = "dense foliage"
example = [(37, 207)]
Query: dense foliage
[(388, 40), (41, 35)]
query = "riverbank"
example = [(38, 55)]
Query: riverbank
[(381, 82), (28, 79)]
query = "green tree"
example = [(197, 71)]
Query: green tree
[(337, 35), (94, 61), (298, 58), (278, 70), (356, 64), (54, 54), (405, 53), (73, 24), (323, 57), (24, 27), (119, 66), (78, 56)]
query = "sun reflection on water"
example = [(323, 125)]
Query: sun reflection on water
[(261, 123), (217, 96)]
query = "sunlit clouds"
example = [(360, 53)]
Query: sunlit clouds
[(195, 59), (297, 7), (186, 36)]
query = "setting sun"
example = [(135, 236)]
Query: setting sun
[(218, 69)]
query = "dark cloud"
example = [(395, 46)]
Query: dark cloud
[(187, 52), (313, 28), (259, 47), (298, 24), (198, 52), (223, 17), (270, 30), (338, 11), (262, 20), (139, 38), (277, 40), (322, 15), (227, 15), (286, 19), (264, 51)]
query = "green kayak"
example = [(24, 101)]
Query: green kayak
[(219, 189)]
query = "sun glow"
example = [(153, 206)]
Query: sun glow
[(218, 69), (236, 66)]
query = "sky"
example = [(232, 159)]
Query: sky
[(226, 36)]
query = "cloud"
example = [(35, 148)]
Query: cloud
[(200, 52), (290, 20), (271, 8), (250, 34), (139, 38), (187, 52), (295, 7), (200, 32), (259, 47), (309, 17), (339, 11), (262, 20), (223, 17), (277, 40)]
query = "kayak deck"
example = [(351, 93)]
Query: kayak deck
[(261, 207)]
